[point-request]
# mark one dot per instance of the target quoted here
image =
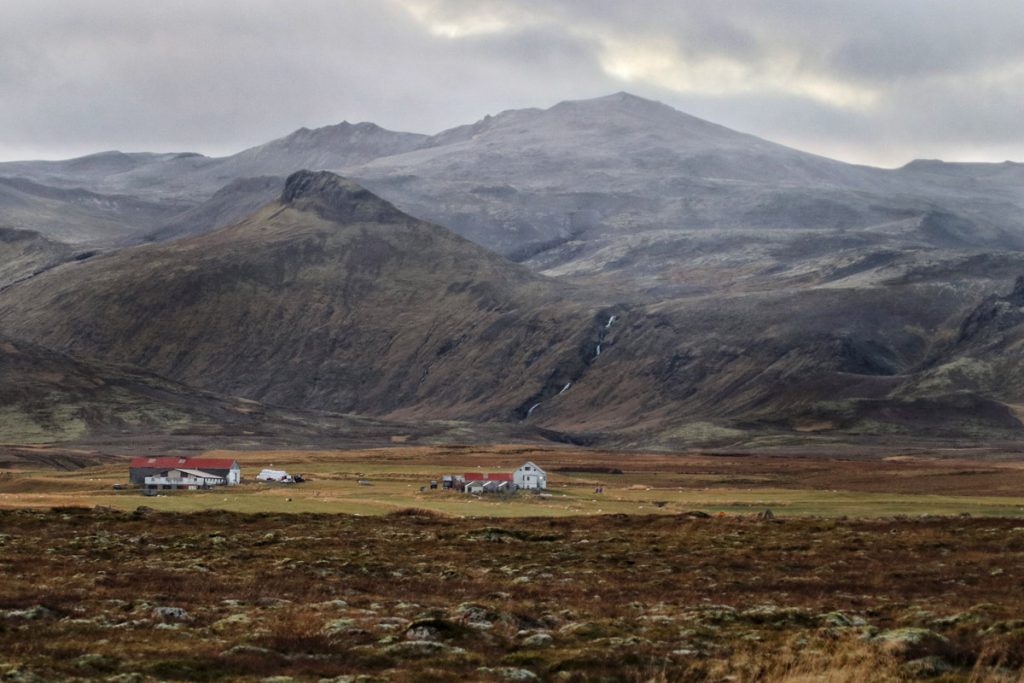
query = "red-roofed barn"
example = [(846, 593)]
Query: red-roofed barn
[(143, 467)]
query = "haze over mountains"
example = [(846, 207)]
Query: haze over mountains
[(608, 269)]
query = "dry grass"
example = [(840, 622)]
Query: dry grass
[(627, 598), (633, 484)]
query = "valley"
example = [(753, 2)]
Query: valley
[(429, 341), (778, 397)]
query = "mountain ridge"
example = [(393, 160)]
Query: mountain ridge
[(524, 179), (675, 280), (293, 307), (332, 299)]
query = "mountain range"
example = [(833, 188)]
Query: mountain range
[(602, 271)]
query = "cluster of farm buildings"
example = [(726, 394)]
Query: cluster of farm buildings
[(529, 476), (154, 474)]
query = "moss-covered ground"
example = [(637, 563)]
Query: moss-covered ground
[(411, 596)]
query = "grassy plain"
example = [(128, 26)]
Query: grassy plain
[(648, 483)]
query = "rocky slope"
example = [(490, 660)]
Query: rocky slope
[(48, 397), (65, 412), (593, 174), (24, 253), (76, 216), (702, 284), (617, 162), (329, 298), (614, 191), (193, 177), (624, 190), (984, 354), (228, 205)]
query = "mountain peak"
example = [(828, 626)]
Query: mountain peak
[(343, 128), (335, 198), (624, 97), (622, 101), (627, 109)]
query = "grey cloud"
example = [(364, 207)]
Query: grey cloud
[(938, 78)]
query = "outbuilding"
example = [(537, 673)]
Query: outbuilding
[(494, 482), (279, 476)]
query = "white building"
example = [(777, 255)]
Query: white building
[(529, 476), (181, 478), (275, 475), (142, 467), (489, 486)]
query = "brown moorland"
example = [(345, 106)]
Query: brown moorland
[(413, 596)]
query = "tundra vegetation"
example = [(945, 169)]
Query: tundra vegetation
[(675, 573), (413, 596)]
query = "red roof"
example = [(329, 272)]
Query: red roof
[(191, 463), (492, 476)]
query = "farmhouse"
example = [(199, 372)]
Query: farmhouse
[(530, 476), (143, 467)]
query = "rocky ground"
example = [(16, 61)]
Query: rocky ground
[(106, 595)]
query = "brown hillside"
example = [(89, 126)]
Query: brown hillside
[(330, 298)]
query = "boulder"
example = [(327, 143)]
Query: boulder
[(232, 622), (926, 667), (33, 613), (538, 640), (509, 673), (172, 614), (336, 626), (911, 643)]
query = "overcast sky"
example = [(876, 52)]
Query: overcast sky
[(870, 81)]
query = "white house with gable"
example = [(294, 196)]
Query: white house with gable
[(529, 476)]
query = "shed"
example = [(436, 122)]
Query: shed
[(275, 475)]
